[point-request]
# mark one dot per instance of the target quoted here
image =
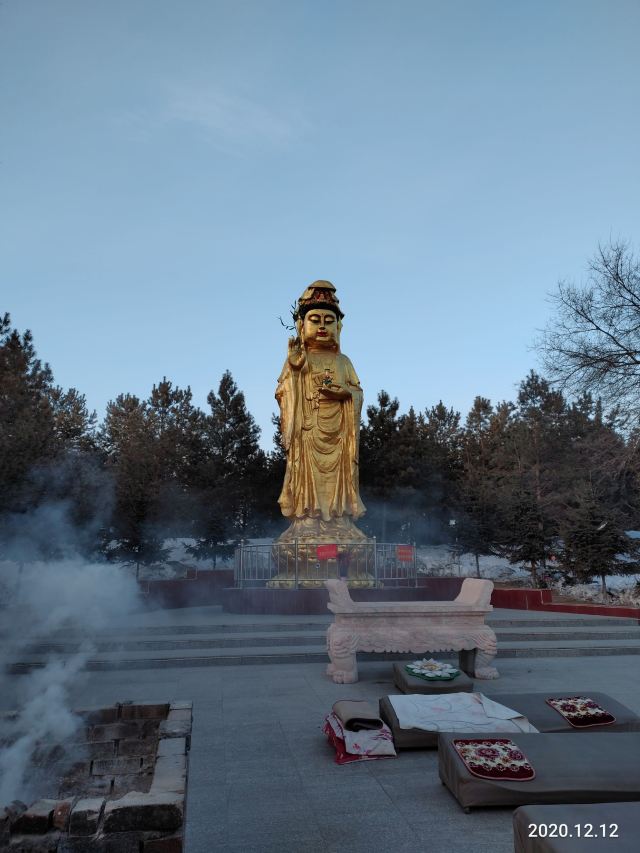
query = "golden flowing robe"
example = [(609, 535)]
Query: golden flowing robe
[(321, 439)]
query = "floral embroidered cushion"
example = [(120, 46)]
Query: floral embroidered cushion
[(494, 758), (581, 712)]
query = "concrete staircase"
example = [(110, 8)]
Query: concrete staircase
[(220, 639)]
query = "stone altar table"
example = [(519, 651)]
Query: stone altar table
[(411, 626)]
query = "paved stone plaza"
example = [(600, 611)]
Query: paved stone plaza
[(262, 777)]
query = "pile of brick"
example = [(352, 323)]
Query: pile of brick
[(124, 791)]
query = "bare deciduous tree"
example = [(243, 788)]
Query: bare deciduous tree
[(593, 341)]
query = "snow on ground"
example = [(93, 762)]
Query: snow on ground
[(440, 559), (621, 590)]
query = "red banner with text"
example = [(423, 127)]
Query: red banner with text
[(404, 553), (326, 552)]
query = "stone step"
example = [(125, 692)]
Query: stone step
[(216, 628), (230, 624), (235, 640), (581, 632), (570, 621), (310, 654)]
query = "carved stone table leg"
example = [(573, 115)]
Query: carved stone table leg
[(477, 663), (341, 647), (483, 665)]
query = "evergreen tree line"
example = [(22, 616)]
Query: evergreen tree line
[(543, 479), (153, 469)]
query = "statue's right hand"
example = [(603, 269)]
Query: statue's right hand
[(296, 352)]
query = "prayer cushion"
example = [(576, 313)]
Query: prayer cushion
[(590, 767), (540, 714), (407, 683), (533, 706)]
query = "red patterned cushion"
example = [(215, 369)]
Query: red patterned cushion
[(581, 712), (494, 758)]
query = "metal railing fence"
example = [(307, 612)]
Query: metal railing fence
[(302, 564)]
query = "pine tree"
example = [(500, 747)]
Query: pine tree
[(533, 490), (267, 479), (177, 430), (128, 441), (477, 518), (379, 463), (230, 474), (443, 451), (602, 500), (412, 473), (74, 424), (47, 455), (595, 543), (27, 424)]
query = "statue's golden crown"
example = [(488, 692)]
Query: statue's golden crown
[(321, 294)]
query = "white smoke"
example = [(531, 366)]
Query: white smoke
[(45, 717), (39, 599)]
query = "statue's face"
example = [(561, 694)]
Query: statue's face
[(320, 328)]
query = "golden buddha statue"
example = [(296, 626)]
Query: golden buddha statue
[(320, 401)]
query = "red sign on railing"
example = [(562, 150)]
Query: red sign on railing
[(404, 553), (326, 552)]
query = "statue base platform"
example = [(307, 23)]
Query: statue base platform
[(312, 550), (285, 581), (316, 531)]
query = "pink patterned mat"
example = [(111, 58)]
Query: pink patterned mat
[(358, 746), (499, 759), (581, 712)]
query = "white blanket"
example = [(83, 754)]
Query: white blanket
[(457, 712)]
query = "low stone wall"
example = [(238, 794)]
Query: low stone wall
[(542, 599), (517, 598), (124, 791), (197, 591), (260, 600), (592, 610)]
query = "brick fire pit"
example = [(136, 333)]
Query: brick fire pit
[(122, 788)]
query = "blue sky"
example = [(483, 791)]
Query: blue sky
[(174, 173)]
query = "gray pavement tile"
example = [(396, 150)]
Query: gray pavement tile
[(292, 798), (253, 733), (277, 844), (211, 797), (259, 773), (234, 712), (252, 827), (407, 761), (346, 796), (241, 751), (207, 774), (385, 828), (412, 794), (458, 836), (204, 840), (206, 828), (381, 844), (211, 735)]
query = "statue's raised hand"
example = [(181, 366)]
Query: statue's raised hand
[(296, 353)]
